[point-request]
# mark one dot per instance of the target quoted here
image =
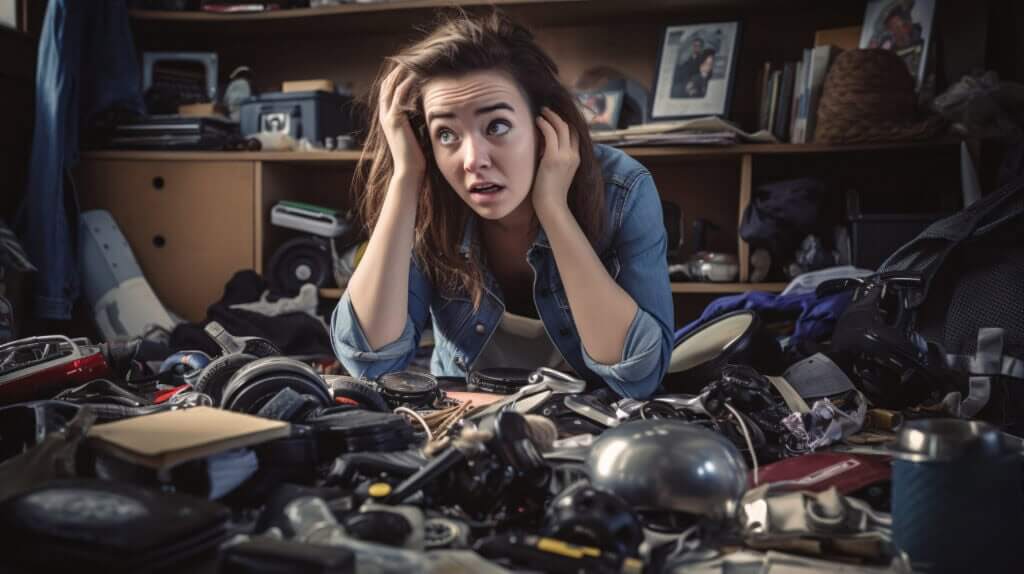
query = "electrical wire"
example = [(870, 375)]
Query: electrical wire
[(409, 412), (746, 435)]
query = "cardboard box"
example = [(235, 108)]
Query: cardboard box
[(163, 440), (308, 86)]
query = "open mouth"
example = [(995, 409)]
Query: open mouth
[(486, 189)]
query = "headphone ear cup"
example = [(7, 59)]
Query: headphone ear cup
[(216, 375), (260, 347), (257, 382), (360, 392)]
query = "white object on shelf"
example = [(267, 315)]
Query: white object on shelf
[(322, 222)]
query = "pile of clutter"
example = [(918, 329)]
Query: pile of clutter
[(253, 458), (854, 441)]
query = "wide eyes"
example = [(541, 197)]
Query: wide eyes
[(446, 136), (498, 128)]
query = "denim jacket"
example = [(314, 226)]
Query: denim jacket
[(86, 63), (633, 252)]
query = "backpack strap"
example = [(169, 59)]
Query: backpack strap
[(987, 362), (927, 252)]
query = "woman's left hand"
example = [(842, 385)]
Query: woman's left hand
[(558, 164)]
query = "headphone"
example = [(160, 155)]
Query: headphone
[(259, 382)]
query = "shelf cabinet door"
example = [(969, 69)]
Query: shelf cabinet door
[(190, 224)]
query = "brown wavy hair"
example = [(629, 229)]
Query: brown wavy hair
[(458, 45)]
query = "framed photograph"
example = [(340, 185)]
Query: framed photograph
[(903, 26), (601, 108), (695, 71)]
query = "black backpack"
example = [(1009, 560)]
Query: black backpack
[(946, 311)]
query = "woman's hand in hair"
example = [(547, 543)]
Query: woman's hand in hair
[(393, 108), (558, 163)]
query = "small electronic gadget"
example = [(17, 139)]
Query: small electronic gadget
[(309, 218), (40, 367), (190, 77)]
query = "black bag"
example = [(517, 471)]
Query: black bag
[(959, 286)]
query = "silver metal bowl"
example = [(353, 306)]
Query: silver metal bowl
[(667, 465)]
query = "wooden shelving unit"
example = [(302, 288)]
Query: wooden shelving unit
[(640, 152), (717, 183), (346, 43)]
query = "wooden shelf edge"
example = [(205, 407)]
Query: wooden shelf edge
[(337, 10), (666, 152), (677, 287), (342, 156), (330, 293)]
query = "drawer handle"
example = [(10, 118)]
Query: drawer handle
[(158, 182), (159, 241)]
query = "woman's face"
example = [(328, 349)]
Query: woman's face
[(484, 140), (707, 65)]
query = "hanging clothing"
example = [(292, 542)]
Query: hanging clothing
[(86, 64)]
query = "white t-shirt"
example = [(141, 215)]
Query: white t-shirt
[(522, 342)]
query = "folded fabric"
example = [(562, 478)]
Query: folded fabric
[(815, 316)]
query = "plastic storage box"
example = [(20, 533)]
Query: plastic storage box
[(311, 115), (875, 236)]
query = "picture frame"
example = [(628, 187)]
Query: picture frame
[(601, 108), (696, 70), (903, 26)]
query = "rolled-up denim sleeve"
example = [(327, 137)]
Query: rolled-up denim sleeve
[(641, 246), (354, 351)]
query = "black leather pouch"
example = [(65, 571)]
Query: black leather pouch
[(263, 555)]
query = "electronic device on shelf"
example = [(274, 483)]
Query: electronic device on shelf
[(312, 219), (184, 77)]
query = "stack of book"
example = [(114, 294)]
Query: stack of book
[(790, 95)]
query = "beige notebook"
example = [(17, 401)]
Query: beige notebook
[(165, 439)]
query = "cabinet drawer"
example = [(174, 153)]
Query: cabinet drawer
[(189, 223)]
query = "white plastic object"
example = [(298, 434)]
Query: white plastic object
[(316, 221), (123, 303)]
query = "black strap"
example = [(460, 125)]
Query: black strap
[(927, 252)]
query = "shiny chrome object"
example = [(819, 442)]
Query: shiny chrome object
[(556, 381), (714, 267), (543, 380), (694, 404), (943, 440), (589, 408), (668, 465)]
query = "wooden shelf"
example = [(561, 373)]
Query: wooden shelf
[(330, 293), (677, 287), (660, 152), (327, 11), (397, 14), (342, 156)]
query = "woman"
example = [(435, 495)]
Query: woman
[(492, 214), (697, 85)]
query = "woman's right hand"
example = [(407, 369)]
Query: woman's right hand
[(393, 107)]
